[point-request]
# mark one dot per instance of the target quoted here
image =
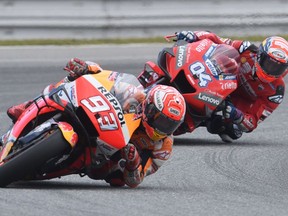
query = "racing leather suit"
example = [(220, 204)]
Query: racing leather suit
[(256, 99)]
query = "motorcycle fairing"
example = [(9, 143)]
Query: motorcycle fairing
[(104, 109), (207, 88), (60, 98), (132, 121)]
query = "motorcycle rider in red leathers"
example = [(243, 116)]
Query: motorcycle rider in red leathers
[(260, 79), (154, 134)]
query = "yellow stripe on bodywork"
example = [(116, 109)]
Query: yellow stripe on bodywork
[(102, 77), (68, 133), (132, 124), (6, 150)]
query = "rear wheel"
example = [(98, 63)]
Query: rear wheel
[(32, 158)]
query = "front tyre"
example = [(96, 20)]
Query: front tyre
[(29, 160)]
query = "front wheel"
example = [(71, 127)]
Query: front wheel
[(32, 158)]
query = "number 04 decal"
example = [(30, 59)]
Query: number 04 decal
[(96, 104), (198, 69)]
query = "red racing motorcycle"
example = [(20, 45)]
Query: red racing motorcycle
[(67, 129), (205, 73)]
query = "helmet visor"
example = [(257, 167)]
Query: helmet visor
[(162, 124), (270, 66)]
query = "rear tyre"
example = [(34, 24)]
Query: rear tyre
[(28, 161)]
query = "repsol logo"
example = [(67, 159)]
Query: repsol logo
[(209, 99), (117, 107), (181, 56)]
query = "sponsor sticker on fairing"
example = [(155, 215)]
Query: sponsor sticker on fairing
[(228, 85), (181, 56), (202, 45), (113, 76), (207, 98), (211, 67), (209, 52), (226, 77)]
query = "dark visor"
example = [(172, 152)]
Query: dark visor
[(160, 122), (271, 66)]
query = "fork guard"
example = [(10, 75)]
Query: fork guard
[(66, 129), (68, 133)]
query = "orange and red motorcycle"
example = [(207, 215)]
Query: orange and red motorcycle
[(68, 129), (205, 73)]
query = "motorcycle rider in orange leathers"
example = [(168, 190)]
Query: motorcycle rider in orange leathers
[(260, 80), (162, 110)]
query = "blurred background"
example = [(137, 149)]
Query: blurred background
[(98, 19)]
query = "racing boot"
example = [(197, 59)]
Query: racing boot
[(115, 179), (14, 112)]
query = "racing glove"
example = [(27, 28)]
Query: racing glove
[(188, 36), (131, 155), (77, 67), (232, 114)]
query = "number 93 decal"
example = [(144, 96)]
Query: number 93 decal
[(105, 117)]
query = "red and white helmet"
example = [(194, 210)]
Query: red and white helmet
[(272, 59), (163, 111)]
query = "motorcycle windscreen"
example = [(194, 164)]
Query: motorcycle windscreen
[(225, 59)]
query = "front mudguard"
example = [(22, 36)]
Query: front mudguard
[(68, 133), (42, 130)]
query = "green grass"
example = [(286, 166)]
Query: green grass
[(79, 41), (105, 41)]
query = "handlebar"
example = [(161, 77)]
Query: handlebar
[(168, 37)]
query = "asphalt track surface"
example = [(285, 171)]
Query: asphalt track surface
[(203, 177)]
